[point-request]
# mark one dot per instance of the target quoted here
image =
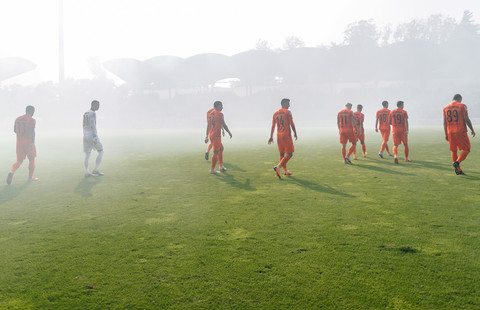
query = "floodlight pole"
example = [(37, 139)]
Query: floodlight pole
[(61, 56)]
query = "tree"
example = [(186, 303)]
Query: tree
[(363, 32), (436, 29), (263, 45), (292, 42)]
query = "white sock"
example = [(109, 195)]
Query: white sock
[(87, 158), (98, 160)]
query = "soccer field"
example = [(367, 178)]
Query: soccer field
[(158, 231)]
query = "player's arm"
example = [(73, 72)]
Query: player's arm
[(469, 124), (31, 133), (406, 126), (206, 132), (355, 126), (376, 124), (270, 140), (445, 126), (292, 125), (338, 123), (226, 129)]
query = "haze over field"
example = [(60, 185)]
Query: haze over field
[(156, 64)]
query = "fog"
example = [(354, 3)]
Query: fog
[(422, 62)]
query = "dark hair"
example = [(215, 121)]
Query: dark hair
[(385, 103), (457, 97), (94, 102), (29, 109), (217, 104), (284, 100), (359, 106), (399, 103)]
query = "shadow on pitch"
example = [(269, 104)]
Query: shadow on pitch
[(234, 167), (317, 187), (432, 165), (85, 186), (230, 180), (387, 169), (10, 192)]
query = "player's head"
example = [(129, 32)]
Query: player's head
[(218, 105), (285, 103), (457, 98), (385, 104), (29, 110), (348, 105), (359, 108), (400, 104), (95, 105)]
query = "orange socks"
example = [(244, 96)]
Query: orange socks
[(462, 156), (214, 160), (395, 150), (220, 158), (31, 168), (284, 161)]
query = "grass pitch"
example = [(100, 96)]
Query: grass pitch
[(158, 231)]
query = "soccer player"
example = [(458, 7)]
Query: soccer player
[(399, 121), (214, 128), (346, 125), (283, 120), (382, 122), (455, 122), (24, 127), (210, 145), (91, 140), (359, 118)]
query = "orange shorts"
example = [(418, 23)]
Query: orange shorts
[(348, 136), (459, 141), (26, 149), (399, 138), (217, 143), (285, 144), (385, 134)]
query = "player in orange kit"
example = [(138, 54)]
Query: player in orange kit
[(210, 145), (455, 122), (382, 122), (213, 133), (359, 119), (283, 120), (348, 131), (399, 121), (25, 129)]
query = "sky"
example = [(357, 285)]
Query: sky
[(100, 30)]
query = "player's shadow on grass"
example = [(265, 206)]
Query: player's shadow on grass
[(85, 186), (431, 165), (317, 187), (10, 192), (389, 169), (230, 180), (234, 167)]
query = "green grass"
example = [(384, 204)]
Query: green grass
[(157, 231)]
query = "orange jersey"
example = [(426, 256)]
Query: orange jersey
[(283, 119), (215, 123), (359, 118), (397, 118), (383, 116), (24, 128), (454, 114), (208, 113), (345, 120)]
